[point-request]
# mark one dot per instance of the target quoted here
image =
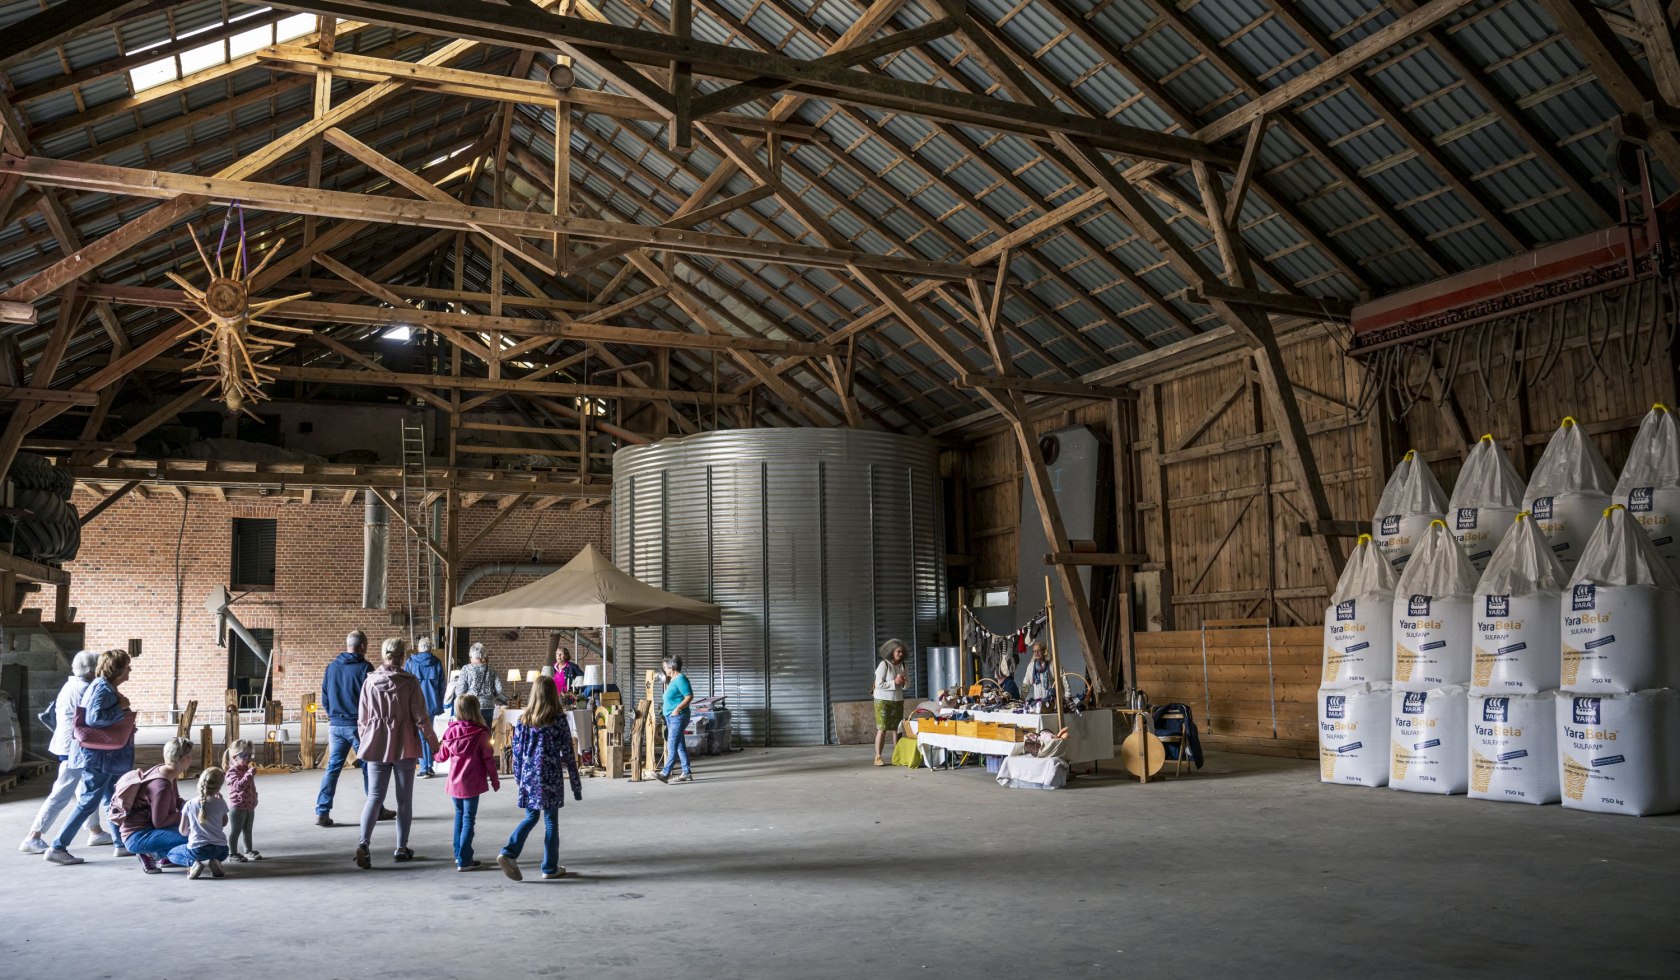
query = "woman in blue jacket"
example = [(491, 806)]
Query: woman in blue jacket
[(102, 707)]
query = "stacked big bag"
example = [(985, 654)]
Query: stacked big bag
[(1526, 654)]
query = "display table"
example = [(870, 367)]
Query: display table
[(582, 722), (1090, 735)]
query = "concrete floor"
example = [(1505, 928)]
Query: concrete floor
[(810, 863)]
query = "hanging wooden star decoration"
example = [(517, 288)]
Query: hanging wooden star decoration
[(230, 352)]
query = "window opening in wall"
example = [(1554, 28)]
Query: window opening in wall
[(253, 555), (245, 668), (990, 598)]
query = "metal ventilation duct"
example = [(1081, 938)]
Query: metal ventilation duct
[(820, 544)]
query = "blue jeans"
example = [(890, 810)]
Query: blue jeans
[(340, 740), (158, 841), (96, 790), (425, 756), (186, 855), (551, 837), (466, 816), (676, 747)]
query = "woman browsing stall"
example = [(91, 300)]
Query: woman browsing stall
[(890, 681)]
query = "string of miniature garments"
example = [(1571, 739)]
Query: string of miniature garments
[(987, 649)]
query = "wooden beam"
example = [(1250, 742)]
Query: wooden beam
[(88, 515), (502, 513), (57, 24), (13, 393), (1284, 304), (1095, 559), (433, 214), (1032, 386), (17, 313)]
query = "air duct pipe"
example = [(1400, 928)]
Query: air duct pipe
[(376, 548)]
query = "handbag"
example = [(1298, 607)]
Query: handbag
[(113, 736), (49, 717)]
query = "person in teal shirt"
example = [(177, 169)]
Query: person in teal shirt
[(679, 694)]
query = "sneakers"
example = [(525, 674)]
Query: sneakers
[(323, 821), (509, 867), (100, 839), (556, 873), (149, 864), (238, 857), (197, 870), (428, 774), (686, 777), (385, 814), (663, 777), (121, 852), (58, 855), (403, 855), (476, 865), (364, 860), (254, 854), (216, 870), (33, 845)]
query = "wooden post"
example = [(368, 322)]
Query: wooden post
[(206, 748), (1055, 660), (306, 732), (230, 718)]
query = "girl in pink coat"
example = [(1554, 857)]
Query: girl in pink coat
[(472, 773)]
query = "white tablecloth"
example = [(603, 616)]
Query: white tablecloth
[(1090, 735), (582, 722)]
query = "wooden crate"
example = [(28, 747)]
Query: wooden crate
[(968, 729)]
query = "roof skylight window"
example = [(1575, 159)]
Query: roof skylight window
[(219, 52)]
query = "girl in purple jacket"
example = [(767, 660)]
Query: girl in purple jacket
[(542, 759), (242, 797), (472, 773)]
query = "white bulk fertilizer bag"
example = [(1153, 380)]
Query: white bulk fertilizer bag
[(1428, 751), (1516, 649), (1619, 754), (1358, 624), (1432, 614), (1650, 484), (1486, 498), (1353, 729), (1619, 614), (1513, 748), (1568, 490), (1410, 500)]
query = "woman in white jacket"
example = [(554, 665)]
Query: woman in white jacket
[(69, 777)]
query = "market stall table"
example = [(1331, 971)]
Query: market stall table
[(1090, 735)]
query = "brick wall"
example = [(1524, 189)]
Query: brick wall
[(123, 585)]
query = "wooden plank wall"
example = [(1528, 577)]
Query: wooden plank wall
[(1233, 707)]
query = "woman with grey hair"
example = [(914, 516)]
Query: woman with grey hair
[(477, 679), (889, 694), (393, 724), (69, 776)]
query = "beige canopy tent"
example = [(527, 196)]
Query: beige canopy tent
[(590, 592)]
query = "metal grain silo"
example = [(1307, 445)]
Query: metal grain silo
[(819, 544)]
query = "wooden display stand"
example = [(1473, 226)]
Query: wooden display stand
[(183, 729), (609, 740), (206, 748), (230, 719), (644, 738), (274, 714)]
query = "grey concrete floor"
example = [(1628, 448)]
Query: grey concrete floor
[(810, 863)]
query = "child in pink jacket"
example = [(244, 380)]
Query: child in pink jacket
[(472, 773)]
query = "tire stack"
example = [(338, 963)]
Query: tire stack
[(51, 530)]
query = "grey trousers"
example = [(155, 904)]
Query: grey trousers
[(63, 793), (239, 822), (379, 781)]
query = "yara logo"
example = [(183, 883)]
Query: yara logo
[(1639, 500), (1390, 525), (1542, 508), (1345, 610), (1585, 596), (1414, 703), (1499, 605), (1466, 518), (1496, 709), (1335, 706), (1586, 711), (1418, 605)]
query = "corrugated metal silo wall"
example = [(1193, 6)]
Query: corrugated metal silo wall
[(819, 544)]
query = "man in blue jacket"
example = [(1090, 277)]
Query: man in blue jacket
[(341, 695), (431, 675)]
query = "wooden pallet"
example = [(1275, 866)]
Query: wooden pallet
[(9, 781)]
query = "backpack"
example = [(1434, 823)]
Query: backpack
[(124, 795)]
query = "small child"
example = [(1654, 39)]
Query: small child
[(202, 820), (472, 773), (542, 760), (242, 796)]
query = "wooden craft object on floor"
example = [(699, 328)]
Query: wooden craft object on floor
[(1142, 754), (306, 733), (230, 724), (274, 714), (206, 748), (183, 727)]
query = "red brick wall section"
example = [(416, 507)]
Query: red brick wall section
[(123, 585)]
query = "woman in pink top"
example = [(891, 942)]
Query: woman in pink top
[(472, 773), (392, 720)]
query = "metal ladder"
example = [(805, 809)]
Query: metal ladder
[(413, 502)]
